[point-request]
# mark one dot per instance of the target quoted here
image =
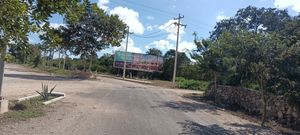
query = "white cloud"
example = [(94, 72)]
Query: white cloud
[(56, 25), (150, 17), (169, 42), (166, 45), (163, 45), (131, 46), (151, 27), (103, 4), (171, 29), (186, 46), (147, 47), (221, 16), (282, 4), (130, 17)]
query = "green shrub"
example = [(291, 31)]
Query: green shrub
[(192, 84), (250, 85)]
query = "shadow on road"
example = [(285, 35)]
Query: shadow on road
[(188, 106), (193, 128), (38, 77)]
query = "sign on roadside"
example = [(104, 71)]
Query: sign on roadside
[(137, 61)]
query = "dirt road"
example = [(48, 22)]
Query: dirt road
[(116, 107)]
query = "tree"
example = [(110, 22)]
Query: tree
[(14, 25), (19, 52), (154, 51), (257, 20), (182, 61), (93, 31), (19, 17), (259, 49), (209, 59), (260, 72), (105, 64)]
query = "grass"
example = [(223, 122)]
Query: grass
[(192, 84), (26, 109), (183, 84), (56, 71), (60, 72), (49, 69)]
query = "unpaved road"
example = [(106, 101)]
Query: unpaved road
[(116, 107)]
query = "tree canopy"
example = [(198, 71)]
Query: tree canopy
[(93, 31), (258, 48), (154, 51)]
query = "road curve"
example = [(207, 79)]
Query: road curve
[(115, 107)]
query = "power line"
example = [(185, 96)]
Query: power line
[(152, 8), (164, 12), (150, 34), (156, 36), (142, 8)]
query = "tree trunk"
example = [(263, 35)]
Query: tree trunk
[(215, 80), (45, 56), (83, 62), (52, 57), (264, 103), (65, 54), (2, 65), (24, 59), (59, 61), (91, 62)]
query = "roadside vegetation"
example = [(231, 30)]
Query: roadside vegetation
[(33, 107), (26, 109), (192, 84)]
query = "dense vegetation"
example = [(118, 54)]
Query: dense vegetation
[(257, 48)]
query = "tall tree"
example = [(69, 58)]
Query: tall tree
[(19, 17), (257, 20), (209, 59), (94, 31), (182, 61)]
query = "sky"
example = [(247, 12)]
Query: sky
[(151, 21)]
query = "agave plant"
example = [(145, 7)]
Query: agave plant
[(46, 92)]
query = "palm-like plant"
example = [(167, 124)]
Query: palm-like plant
[(46, 92)]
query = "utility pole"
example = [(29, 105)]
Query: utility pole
[(125, 60), (178, 24), (2, 65)]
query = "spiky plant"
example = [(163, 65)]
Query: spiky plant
[(46, 92)]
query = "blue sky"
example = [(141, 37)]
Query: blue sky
[(151, 20)]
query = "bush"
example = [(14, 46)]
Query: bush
[(19, 106), (192, 84), (26, 109)]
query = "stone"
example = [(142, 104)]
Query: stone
[(3, 106), (278, 107), (279, 114)]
